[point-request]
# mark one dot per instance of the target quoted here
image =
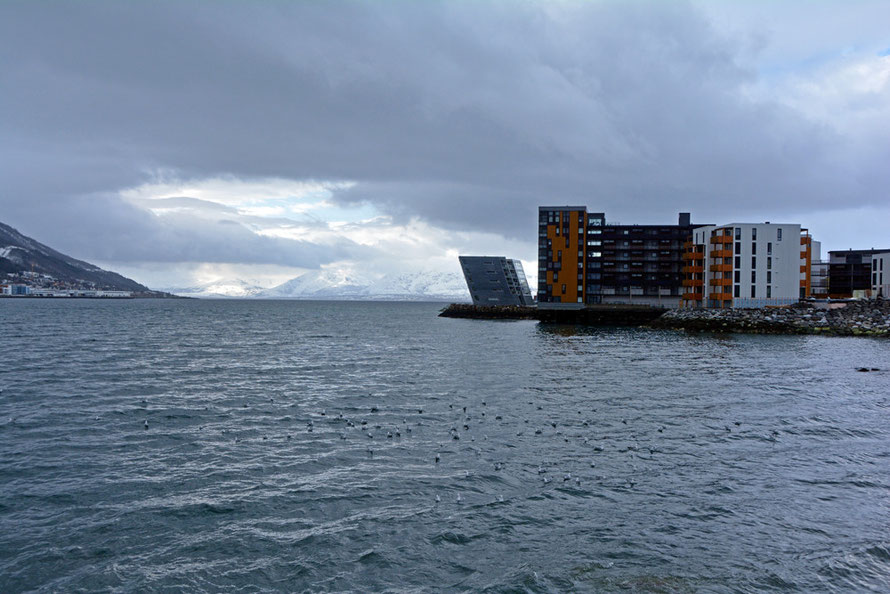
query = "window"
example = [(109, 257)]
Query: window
[(779, 234), (738, 235), (738, 277), (555, 277), (737, 291), (769, 276), (563, 288), (769, 263), (738, 261), (559, 254), (753, 276), (753, 261), (769, 248), (769, 292), (738, 247), (753, 247), (753, 233), (753, 291), (580, 254)]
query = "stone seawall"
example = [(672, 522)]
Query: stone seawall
[(860, 318), (596, 315), (494, 312)]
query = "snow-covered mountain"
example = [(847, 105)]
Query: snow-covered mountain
[(218, 289), (335, 284)]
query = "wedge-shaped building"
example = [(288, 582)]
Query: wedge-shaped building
[(747, 265), (496, 280)]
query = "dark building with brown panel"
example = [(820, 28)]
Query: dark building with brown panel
[(583, 259)]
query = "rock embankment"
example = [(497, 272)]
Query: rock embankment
[(859, 318), (494, 312)]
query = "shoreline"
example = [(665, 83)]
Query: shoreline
[(869, 318)]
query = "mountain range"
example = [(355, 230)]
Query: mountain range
[(338, 284), (19, 254)]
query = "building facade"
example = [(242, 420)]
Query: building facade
[(747, 265), (585, 260), (880, 274), (496, 280), (850, 273)]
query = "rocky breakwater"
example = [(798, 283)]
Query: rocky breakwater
[(493, 312), (858, 318)]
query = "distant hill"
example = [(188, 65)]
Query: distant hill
[(331, 284), (20, 253)]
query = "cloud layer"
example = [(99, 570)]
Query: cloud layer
[(450, 116)]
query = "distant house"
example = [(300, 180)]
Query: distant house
[(496, 280)]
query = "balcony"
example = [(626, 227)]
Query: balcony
[(692, 269), (720, 282), (721, 268), (693, 282), (720, 296), (721, 239), (687, 245), (693, 296), (803, 255), (721, 254)]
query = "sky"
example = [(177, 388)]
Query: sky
[(186, 142)]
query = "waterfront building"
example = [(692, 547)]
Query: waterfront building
[(747, 265), (496, 280), (850, 273), (583, 259), (880, 274)]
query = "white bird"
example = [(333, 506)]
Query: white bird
[(458, 498), (438, 499)]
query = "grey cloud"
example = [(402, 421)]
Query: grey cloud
[(111, 230), (466, 114)]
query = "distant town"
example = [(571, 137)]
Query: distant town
[(35, 284)]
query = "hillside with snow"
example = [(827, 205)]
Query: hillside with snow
[(334, 284), (219, 289)]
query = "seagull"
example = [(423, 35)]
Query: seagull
[(437, 458), (438, 499), (546, 480), (146, 424), (458, 498)]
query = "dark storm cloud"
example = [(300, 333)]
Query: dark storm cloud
[(466, 114)]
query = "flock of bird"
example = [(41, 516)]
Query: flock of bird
[(442, 434)]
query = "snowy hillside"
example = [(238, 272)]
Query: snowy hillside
[(333, 284), (219, 289)]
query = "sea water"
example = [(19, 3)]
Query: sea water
[(250, 446)]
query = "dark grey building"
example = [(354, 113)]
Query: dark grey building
[(495, 280)]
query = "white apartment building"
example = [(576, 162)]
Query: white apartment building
[(747, 265), (880, 275)]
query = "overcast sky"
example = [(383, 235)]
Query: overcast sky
[(188, 141)]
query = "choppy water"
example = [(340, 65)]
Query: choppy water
[(703, 463)]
